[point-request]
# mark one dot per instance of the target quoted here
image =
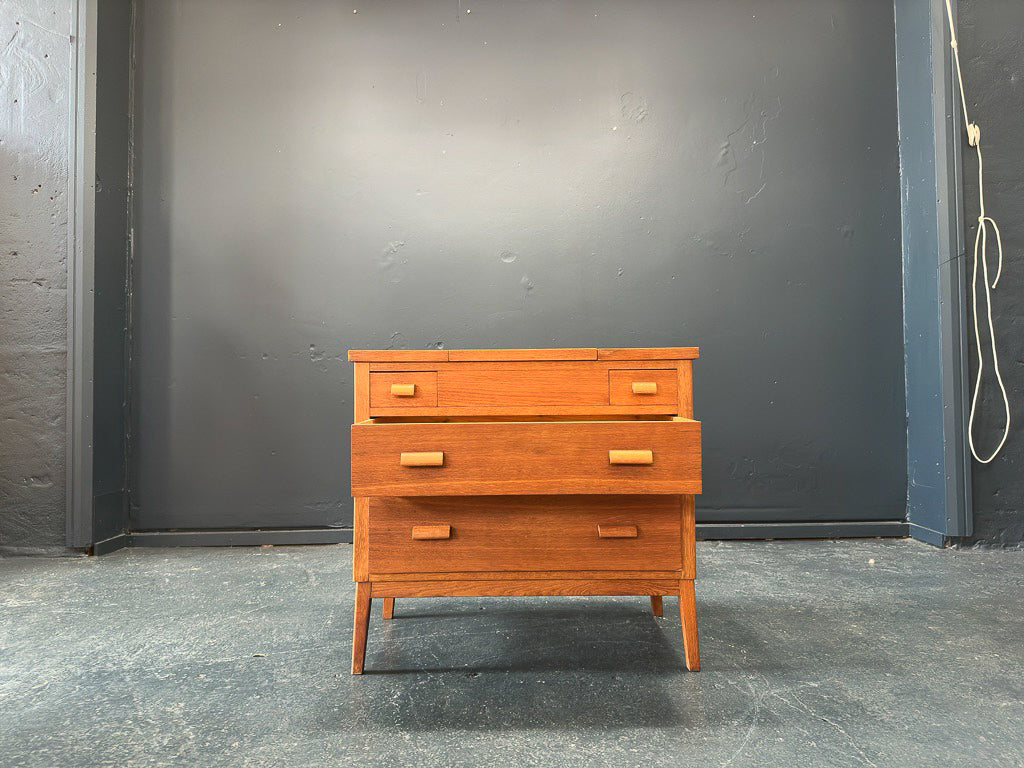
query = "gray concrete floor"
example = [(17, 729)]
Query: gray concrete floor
[(812, 656)]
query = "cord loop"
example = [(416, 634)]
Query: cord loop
[(981, 257)]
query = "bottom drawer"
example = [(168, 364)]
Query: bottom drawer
[(446, 534)]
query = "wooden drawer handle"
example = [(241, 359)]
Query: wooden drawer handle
[(423, 459), (403, 390), (431, 532), (645, 387), (630, 457), (616, 531)]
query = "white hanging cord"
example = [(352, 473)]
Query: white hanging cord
[(980, 254)]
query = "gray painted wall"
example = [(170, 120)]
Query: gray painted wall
[(992, 44), (34, 119), (529, 174)]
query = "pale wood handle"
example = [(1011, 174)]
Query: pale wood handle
[(645, 387), (423, 459), (630, 457), (616, 531), (431, 532), (403, 390)]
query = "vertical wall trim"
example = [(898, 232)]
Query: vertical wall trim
[(81, 261), (952, 276), (129, 271), (938, 481)]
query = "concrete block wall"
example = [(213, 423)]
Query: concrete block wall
[(35, 71)]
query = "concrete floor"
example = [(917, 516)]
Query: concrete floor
[(812, 656)]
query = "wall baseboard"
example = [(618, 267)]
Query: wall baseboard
[(928, 536), (114, 543), (241, 538), (829, 530), (296, 536)]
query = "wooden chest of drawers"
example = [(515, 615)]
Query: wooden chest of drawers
[(524, 472)]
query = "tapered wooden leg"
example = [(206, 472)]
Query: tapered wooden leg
[(389, 608), (656, 607), (361, 626), (688, 614)]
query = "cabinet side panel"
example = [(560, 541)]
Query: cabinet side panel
[(685, 389), (360, 538), (361, 505), (689, 535), (361, 400)]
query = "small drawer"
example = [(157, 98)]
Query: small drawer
[(524, 533), (643, 387), (400, 390)]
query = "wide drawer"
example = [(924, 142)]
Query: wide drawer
[(496, 458), (536, 385), (524, 533)]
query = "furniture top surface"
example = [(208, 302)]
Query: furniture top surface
[(507, 355)]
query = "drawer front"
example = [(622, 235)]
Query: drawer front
[(524, 533), (540, 385), (416, 388), (643, 387), (490, 458)]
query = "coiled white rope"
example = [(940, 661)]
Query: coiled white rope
[(980, 255)]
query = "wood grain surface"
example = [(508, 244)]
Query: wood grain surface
[(481, 473), (465, 355), (650, 353), (673, 576), (549, 385), (362, 625), (505, 355), (621, 385), (398, 355), (530, 588), (489, 458), (688, 614), (424, 392), (525, 533)]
